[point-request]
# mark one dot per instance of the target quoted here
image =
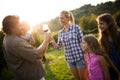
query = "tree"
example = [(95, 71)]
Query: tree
[(82, 11), (117, 3), (117, 18), (54, 24), (108, 7), (88, 24), (86, 10), (5, 72)]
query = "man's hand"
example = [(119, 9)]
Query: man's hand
[(47, 37)]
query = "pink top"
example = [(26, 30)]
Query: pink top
[(94, 68)]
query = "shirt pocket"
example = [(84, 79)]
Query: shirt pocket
[(72, 36)]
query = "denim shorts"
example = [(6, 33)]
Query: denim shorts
[(77, 64), (42, 78)]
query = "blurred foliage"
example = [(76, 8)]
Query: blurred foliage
[(55, 36), (87, 11), (54, 24), (37, 37), (37, 29), (2, 60), (5, 72), (88, 24), (56, 66), (117, 18), (82, 11)]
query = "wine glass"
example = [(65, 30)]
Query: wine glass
[(46, 28)]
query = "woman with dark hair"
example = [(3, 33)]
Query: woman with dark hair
[(109, 39)]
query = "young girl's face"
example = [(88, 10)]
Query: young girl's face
[(84, 46), (103, 26)]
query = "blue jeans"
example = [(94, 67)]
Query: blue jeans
[(78, 64)]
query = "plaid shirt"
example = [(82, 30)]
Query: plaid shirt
[(71, 41)]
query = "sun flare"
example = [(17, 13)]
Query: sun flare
[(38, 11)]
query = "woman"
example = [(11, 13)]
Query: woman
[(70, 37), (109, 39)]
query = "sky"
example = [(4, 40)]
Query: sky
[(38, 11)]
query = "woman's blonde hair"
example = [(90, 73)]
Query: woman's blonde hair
[(68, 15)]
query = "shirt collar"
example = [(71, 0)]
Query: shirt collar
[(70, 28)]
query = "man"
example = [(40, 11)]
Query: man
[(21, 57)]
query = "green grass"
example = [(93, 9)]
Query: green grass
[(6, 74), (56, 66)]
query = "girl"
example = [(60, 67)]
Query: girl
[(70, 37), (109, 39), (96, 63)]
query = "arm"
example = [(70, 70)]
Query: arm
[(54, 43), (86, 66), (42, 48), (57, 45), (28, 52), (104, 66)]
